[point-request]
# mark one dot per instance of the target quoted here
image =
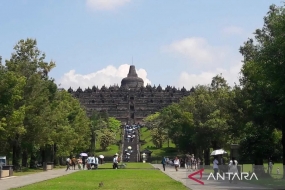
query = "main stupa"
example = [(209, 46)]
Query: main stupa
[(132, 80)]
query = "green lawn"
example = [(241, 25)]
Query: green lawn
[(122, 179), (131, 165), (156, 152)]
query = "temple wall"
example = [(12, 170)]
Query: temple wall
[(117, 102)]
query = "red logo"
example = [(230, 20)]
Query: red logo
[(194, 179)]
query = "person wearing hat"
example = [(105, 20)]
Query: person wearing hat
[(115, 161)]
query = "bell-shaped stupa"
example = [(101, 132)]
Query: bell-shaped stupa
[(132, 80)]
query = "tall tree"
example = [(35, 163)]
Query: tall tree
[(263, 72)]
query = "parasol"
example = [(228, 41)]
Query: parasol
[(218, 152), (101, 156), (83, 154), (129, 147)]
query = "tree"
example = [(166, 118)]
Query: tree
[(263, 72), (106, 138)]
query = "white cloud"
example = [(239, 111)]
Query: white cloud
[(107, 76), (233, 30), (189, 80), (206, 61), (198, 51), (105, 4)]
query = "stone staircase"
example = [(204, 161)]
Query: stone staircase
[(130, 155)]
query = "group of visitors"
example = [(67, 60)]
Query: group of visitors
[(90, 162), (189, 162), (232, 168), (130, 132)]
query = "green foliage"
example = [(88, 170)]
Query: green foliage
[(34, 116), (107, 137), (114, 124)]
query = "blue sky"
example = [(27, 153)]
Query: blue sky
[(181, 42)]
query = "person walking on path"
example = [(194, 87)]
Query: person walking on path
[(73, 162), (176, 163), (83, 162), (68, 164), (215, 166), (163, 162), (233, 170)]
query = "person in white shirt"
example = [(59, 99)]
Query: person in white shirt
[(89, 161), (96, 162), (176, 163), (233, 169), (215, 166), (68, 160), (115, 162), (92, 162)]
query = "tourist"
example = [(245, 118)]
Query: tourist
[(83, 162), (96, 162), (89, 161), (270, 166), (198, 163), (176, 163), (163, 162), (115, 162), (215, 166), (79, 162), (73, 162), (188, 163), (233, 169), (92, 162), (68, 163)]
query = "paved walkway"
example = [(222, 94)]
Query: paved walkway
[(20, 181), (182, 176)]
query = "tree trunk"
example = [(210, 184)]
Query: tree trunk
[(25, 158), (16, 154), (258, 166), (283, 144), (55, 159), (43, 153), (93, 144), (207, 156), (33, 160)]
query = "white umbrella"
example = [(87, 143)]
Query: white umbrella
[(129, 147), (128, 154), (218, 152), (129, 135), (83, 154), (101, 156)]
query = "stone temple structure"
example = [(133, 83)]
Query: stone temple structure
[(131, 102)]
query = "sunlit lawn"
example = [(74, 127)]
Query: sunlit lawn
[(121, 179), (131, 165)]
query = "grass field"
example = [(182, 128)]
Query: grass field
[(156, 152), (122, 179)]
